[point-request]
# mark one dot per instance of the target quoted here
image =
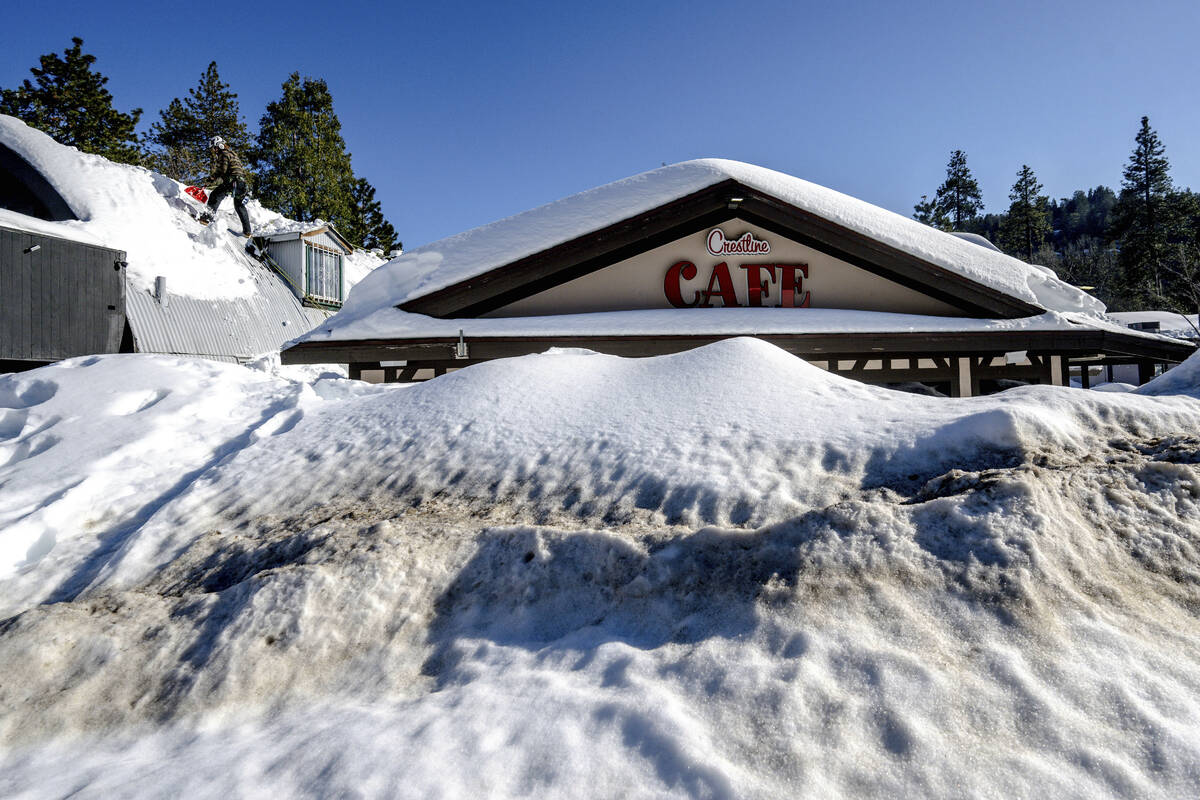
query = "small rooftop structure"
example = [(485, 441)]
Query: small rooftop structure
[(312, 261)]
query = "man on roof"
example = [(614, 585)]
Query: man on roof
[(228, 175)]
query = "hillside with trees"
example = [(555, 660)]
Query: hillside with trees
[(1136, 248)]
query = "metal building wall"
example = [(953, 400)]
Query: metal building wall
[(236, 329), (58, 298), (289, 255)]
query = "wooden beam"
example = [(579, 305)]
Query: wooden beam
[(831, 347), (1056, 371)]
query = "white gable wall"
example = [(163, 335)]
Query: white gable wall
[(639, 282)]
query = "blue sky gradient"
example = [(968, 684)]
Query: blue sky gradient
[(461, 113)]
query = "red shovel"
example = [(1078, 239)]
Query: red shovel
[(198, 193)]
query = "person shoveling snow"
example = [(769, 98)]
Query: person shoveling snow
[(228, 175)]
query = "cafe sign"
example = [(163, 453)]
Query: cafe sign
[(766, 283)]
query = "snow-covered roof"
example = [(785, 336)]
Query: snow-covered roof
[(1167, 320), (398, 324), (145, 214), (466, 255), (975, 238)]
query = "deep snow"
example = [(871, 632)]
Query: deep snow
[(145, 215), (721, 573)]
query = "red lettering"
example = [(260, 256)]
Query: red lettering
[(720, 275), (793, 285), (755, 289), (684, 270)]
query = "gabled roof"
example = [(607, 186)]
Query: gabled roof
[(310, 230), (485, 268)]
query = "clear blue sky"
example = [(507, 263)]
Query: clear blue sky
[(461, 113)]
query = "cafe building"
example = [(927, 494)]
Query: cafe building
[(705, 250)]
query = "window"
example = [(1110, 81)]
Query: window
[(323, 269)]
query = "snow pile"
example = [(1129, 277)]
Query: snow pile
[(465, 255), (721, 573), (1182, 379), (145, 214)]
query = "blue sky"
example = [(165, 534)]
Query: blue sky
[(461, 113)]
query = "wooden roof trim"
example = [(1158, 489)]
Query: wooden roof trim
[(593, 251), (881, 259), (876, 345), (329, 229), (574, 258)]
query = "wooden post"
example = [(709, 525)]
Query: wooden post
[(1145, 372), (962, 384), (1056, 371)]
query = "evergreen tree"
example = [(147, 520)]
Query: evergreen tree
[(1143, 219), (182, 133), (958, 199), (68, 101), (304, 171), (366, 226), (1026, 226), (927, 211)]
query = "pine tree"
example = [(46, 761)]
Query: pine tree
[(1026, 226), (927, 211), (366, 226), (304, 171), (69, 102), (182, 133), (958, 199), (1143, 218)]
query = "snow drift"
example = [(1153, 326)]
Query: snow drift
[(721, 573)]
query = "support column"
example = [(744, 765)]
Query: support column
[(1145, 372), (962, 386), (1056, 371)]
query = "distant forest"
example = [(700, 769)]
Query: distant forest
[(1136, 248)]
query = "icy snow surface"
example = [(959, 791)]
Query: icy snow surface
[(465, 255), (145, 214), (720, 573)]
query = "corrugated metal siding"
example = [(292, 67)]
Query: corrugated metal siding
[(63, 299), (289, 255), (228, 330)]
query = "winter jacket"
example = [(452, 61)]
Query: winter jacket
[(225, 167)]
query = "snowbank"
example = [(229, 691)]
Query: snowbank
[(721, 573), (465, 255), (144, 214), (1182, 379)]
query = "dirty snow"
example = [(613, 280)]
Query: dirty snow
[(721, 573)]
